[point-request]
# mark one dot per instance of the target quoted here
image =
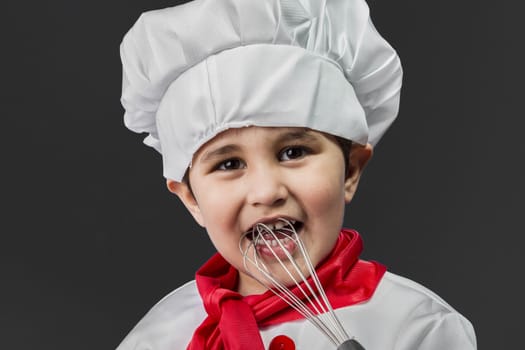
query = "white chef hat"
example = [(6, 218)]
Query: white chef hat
[(195, 70)]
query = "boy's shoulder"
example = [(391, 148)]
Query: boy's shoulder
[(393, 286), (410, 316), (170, 323)]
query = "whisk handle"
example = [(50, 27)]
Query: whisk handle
[(351, 344)]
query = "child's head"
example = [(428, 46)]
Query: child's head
[(259, 174), (250, 100)]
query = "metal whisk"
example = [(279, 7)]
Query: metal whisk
[(269, 258)]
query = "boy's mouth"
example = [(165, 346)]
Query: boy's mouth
[(277, 239)]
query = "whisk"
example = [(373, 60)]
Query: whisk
[(267, 254)]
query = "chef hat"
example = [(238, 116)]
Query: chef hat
[(195, 70)]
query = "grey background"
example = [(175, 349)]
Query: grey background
[(91, 238)]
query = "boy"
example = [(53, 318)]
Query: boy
[(265, 110)]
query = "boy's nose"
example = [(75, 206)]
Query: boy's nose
[(266, 188)]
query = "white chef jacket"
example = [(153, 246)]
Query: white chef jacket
[(401, 315)]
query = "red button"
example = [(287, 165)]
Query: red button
[(282, 342)]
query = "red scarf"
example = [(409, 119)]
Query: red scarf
[(233, 320)]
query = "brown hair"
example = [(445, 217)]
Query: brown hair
[(345, 146)]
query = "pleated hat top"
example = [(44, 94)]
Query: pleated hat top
[(195, 70)]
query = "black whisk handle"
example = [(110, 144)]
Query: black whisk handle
[(351, 344)]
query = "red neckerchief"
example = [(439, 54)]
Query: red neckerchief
[(233, 320)]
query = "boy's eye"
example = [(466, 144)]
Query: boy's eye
[(230, 164), (293, 152)]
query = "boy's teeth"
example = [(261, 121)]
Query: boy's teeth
[(279, 225)]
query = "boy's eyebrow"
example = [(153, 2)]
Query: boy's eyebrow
[(300, 135), (219, 152)]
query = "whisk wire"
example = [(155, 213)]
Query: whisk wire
[(322, 306), (285, 294), (309, 298), (330, 314)]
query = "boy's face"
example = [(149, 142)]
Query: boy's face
[(256, 174)]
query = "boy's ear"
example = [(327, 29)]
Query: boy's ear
[(357, 160), (183, 191)]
